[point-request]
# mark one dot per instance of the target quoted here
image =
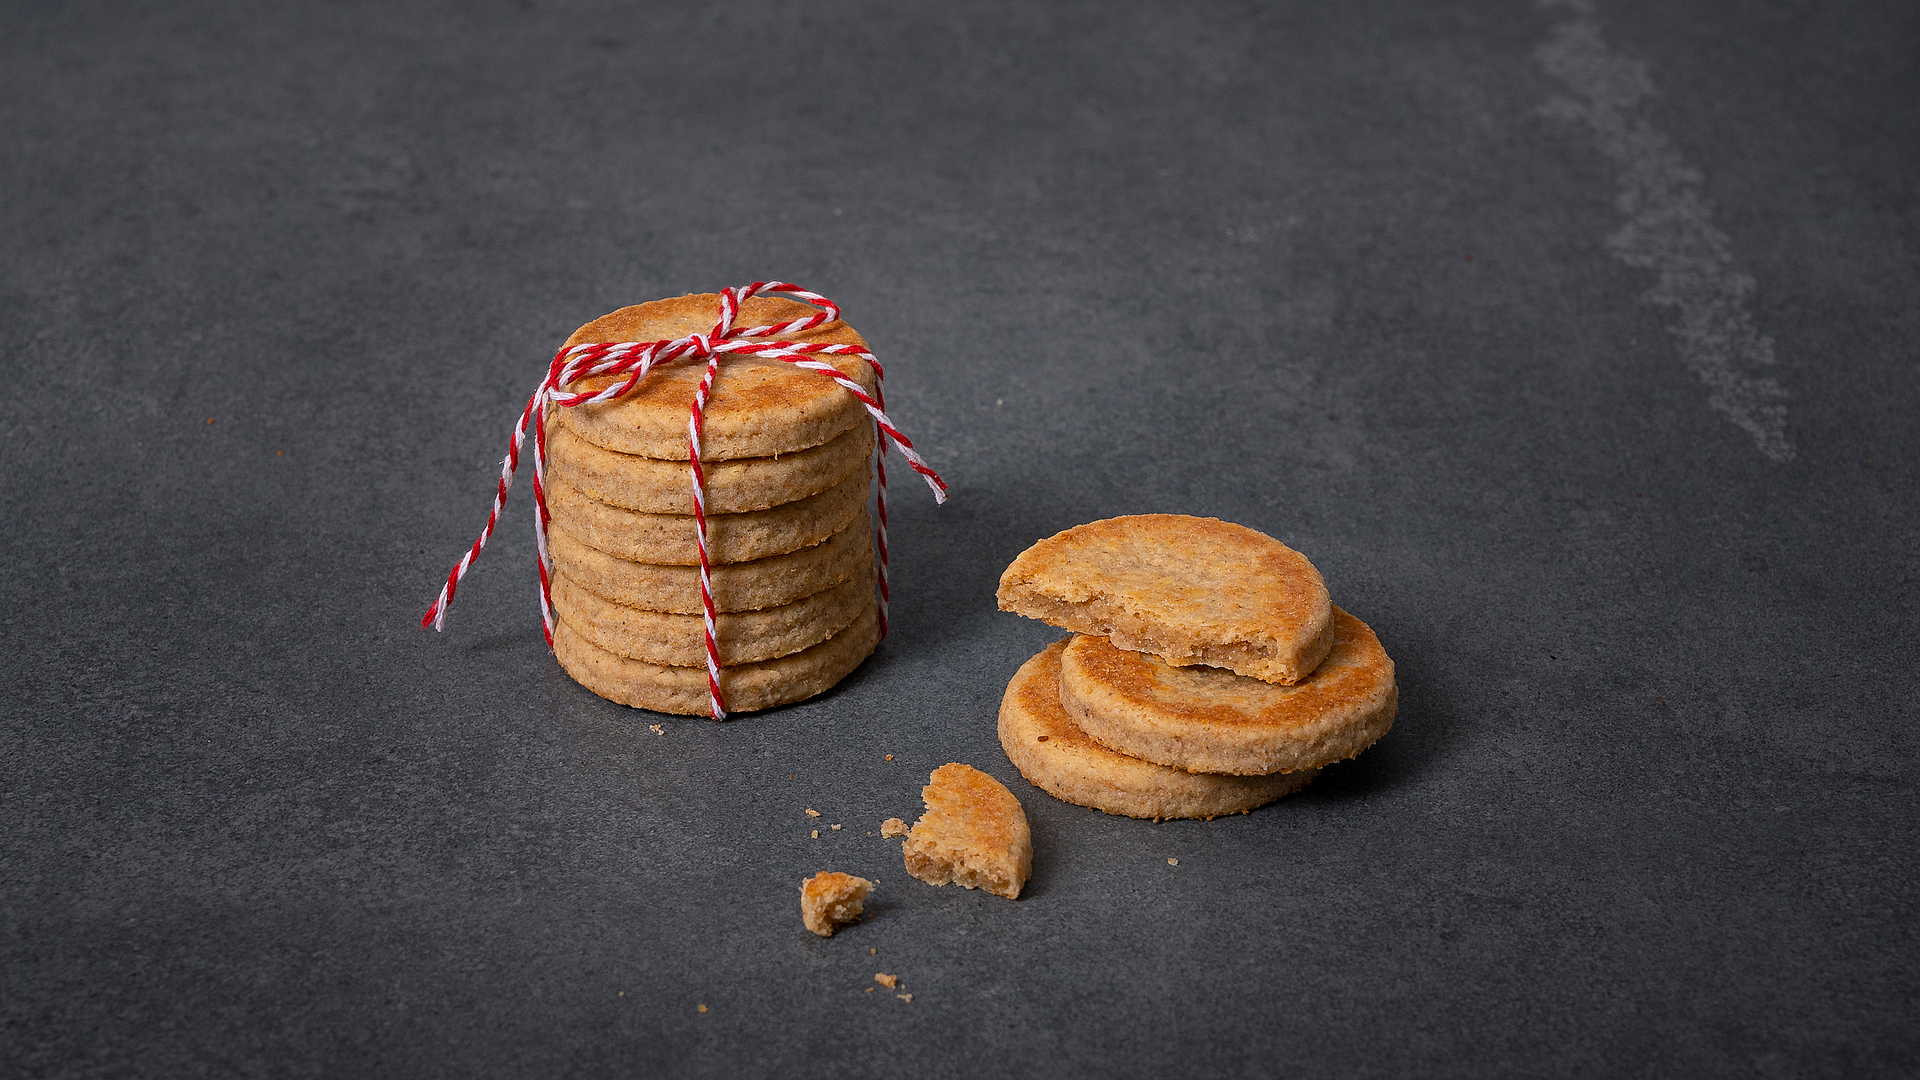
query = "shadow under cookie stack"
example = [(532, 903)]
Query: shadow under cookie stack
[(786, 457), (1209, 672)]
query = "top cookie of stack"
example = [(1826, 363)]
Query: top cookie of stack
[(786, 458), (1212, 672)]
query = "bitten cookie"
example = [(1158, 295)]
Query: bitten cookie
[(1058, 758), (1190, 590), (1208, 720), (759, 407), (974, 834)]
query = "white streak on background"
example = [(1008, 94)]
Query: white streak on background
[(1669, 229)]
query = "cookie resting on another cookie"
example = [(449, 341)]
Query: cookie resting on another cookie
[(1190, 590), (1208, 720), (1057, 757), (974, 834)]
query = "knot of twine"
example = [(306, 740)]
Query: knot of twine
[(635, 359)]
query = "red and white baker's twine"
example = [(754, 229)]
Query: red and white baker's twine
[(635, 359)]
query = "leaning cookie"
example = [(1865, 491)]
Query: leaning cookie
[(1209, 720), (747, 687), (1057, 757), (1190, 590)]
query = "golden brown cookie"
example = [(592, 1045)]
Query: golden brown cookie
[(748, 687), (742, 637), (1190, 590), (653, 486), (1053, 753), (974, 833), (1208, 720), (747, 586), (758, 408), (830, 898), (669, 539)]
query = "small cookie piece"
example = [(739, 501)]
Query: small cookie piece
[(830, 898), (670, 539), (758, 408), (1190, 590), (893, 827), (748, 687), (1207, 720), (1058, 758), (973, 833), (746, 586), (653, 486), (742, 637)]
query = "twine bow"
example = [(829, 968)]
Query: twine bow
[(635, 359)]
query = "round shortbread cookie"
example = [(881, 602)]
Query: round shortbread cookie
[(747, 586), (1190, 590), (671, 540), (650, 485), (1043, 743), (742, 637), (748, 687), (1210, 720), (758, 408)]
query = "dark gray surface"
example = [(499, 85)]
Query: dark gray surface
[(1649, 806)]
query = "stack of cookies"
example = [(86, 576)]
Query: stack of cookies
[(1209, 672), (786, 454)]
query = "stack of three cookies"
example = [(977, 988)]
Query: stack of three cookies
[(1210, 672), (786, 457)]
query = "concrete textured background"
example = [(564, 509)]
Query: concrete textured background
[(1432, 292)]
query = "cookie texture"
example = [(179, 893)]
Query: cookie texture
[(742, 637), (1189, 590), (831, 898), (1057, 757), (669, 539), (974, 834), (654, 486), (758, 408), (744, 586), (1208, 720), (748, 687)]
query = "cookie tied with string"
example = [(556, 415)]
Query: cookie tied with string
[(701, 467)]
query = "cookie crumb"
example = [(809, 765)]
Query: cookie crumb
[(892, 827), (816, 834), (830, 898), (904, 997), (1173, 862), (889, 757), (873, 952), (657, 729), (835, 828), (811, 812), (869, 989), (703, 1008), (891, 982)]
